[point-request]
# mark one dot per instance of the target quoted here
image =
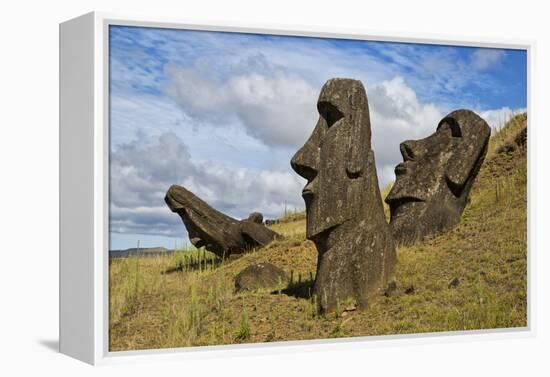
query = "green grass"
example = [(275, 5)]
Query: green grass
[(244, 327), (195, 303)]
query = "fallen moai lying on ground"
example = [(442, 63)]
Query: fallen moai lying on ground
[(217, 232)]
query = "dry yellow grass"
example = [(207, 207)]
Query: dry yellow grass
[(487, 252)]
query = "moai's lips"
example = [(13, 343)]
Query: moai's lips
[(401, 169), (198, 242), (399, 200), (307, 193)]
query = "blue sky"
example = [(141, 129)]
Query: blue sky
[(222, 113)]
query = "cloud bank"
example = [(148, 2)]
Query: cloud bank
[(142, 171)]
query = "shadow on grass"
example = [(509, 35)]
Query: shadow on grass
[(194, 266), (299, 289)]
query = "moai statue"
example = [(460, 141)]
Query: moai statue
[(433, 181), (217, 232), (344, 212)]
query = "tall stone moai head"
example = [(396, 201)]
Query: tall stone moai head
[(433, 181), (344, 212), (336, 160)]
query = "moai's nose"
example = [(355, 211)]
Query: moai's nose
[(304, 162), (409, 150)]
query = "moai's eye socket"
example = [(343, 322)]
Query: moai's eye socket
[(329, 112), (453, 125)]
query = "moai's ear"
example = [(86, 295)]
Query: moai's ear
[(356, 163), (360, 135), (472, 136)]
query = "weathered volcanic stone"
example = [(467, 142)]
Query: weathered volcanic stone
[(433, 181), (217, 232), (344, 212), (256, 217), (260, 276)]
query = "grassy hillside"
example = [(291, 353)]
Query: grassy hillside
[(188, 298)]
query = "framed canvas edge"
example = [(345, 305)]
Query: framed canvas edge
[(102, 21)]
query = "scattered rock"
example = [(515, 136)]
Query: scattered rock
[(507, 148), (217, 232), (521, 137), (434, 180), (345, 217), (454, 283), (390, 289), (519, 141), (409, 290), (260, 276)]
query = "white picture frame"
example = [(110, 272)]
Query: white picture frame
[(84, 190)]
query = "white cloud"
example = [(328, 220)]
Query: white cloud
[(497, 118), (485, 58), (278, 109), (150, 116), (397, 115)]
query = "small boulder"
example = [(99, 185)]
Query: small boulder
[(260, 276)]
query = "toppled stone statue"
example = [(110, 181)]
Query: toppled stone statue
[(344, 213), (217, 232), (433, 181)]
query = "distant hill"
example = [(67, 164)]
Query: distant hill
[(142, 251)]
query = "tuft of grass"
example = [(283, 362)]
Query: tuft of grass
[(131, 285), (243, 332)]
